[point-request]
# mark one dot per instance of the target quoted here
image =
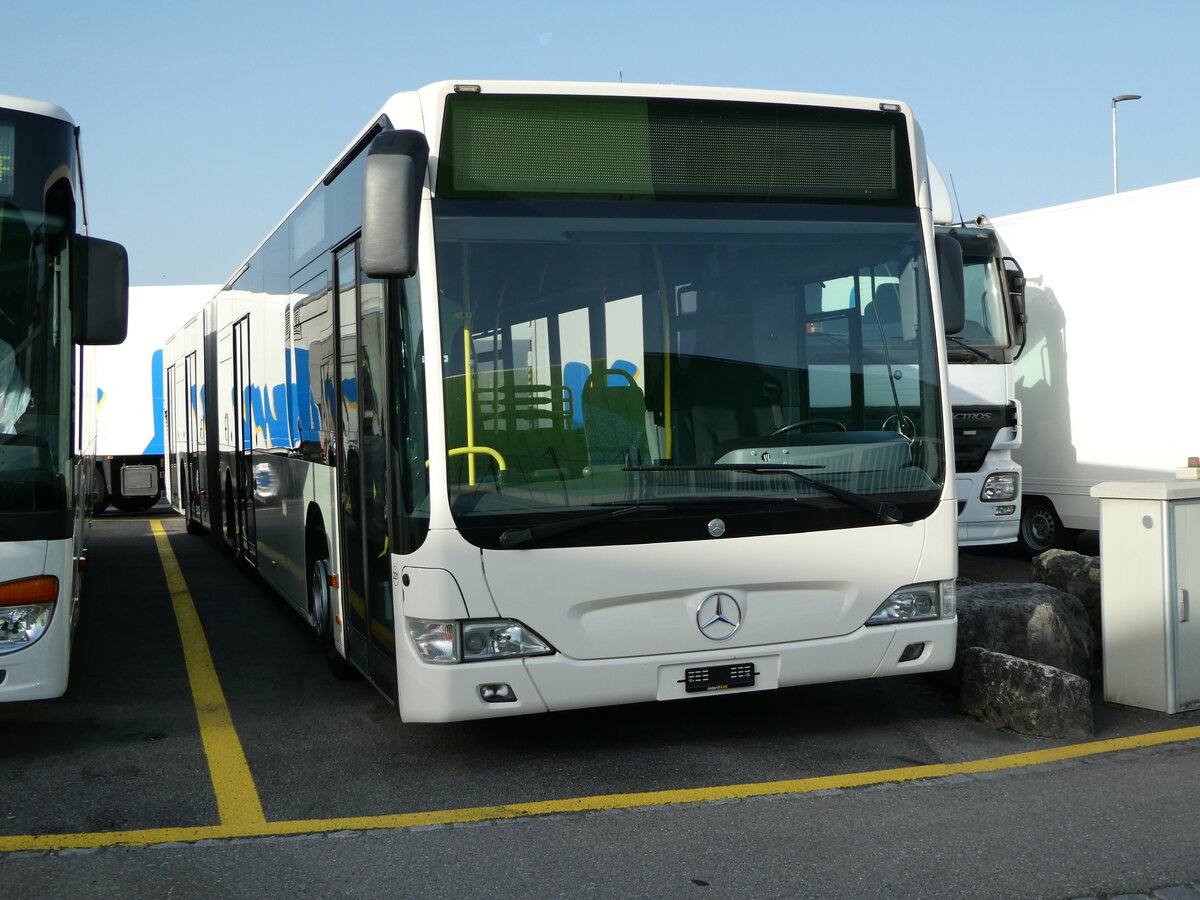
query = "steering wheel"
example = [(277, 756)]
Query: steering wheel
[(792, 426)]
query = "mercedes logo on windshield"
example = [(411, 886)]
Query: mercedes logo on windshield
[(719, 616)]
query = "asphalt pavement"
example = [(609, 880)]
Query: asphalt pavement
[(864, 789)]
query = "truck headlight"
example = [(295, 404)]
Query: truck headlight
[(917, 602), (999, 487), (475, 640), (26, 607)]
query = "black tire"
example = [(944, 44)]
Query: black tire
[(1041, 528), (134, 504), (320, 609), (99, 492), (229, 531), (194, 527)]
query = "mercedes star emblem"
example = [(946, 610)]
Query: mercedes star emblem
[(719, 616)]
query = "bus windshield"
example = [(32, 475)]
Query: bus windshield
[(36, 218), (771, 367)]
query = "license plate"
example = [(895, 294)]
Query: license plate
[(718, 678)]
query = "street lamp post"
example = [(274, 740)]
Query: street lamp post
[(1115, 101)]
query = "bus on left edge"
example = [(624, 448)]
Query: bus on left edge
[(61, 292)]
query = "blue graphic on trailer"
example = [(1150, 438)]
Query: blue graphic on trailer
[(155, 447)]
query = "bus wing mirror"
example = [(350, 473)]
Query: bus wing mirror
[(395, 175), (1015, 276), (99, 291), (950, 276)]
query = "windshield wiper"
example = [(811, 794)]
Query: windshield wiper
[(889, 512), (982, 354), (520, 537)]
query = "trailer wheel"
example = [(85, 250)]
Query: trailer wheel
[(134, 504), (1041, 528), (229, 532), (99, 492)]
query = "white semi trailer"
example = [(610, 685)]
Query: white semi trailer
[(1105, 381), (129, 413)]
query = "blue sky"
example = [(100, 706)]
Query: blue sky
[(204, 122)]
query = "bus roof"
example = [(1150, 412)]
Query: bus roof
[(37, 107), (425, 100)]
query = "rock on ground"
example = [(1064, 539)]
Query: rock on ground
[(1026, 697), (1075, 573), (1030, 621)]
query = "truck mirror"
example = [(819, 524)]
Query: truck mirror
[(99, 291), (950, 276), (1015, 276), (392, 183)]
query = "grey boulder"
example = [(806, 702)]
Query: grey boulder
[(1023, 696)]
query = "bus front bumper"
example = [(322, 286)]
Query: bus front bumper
[(449, 693)]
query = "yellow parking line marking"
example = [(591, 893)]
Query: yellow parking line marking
[(588, 804), (238, 805)]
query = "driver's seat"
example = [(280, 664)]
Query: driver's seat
[(728, 401)]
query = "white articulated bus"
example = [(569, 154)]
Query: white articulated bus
[(59, 293), (556, 395)]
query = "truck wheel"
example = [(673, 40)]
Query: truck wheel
[(1041, 528)]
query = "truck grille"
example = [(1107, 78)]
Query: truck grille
[(975, 430)]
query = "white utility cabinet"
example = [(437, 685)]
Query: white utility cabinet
[(1150, 592)]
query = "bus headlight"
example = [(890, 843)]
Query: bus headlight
[(26, 607), (435, 641), (474, 640), (999, 487), (917, 602)]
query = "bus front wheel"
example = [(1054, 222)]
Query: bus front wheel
[(320, 610)]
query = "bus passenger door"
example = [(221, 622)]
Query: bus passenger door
[(172, 398), (190, 477), (362, 474), (243, 473)]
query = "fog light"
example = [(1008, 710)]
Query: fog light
[(497, 693), (911, 652), (1004, 510)]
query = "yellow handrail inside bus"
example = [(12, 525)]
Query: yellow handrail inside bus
[(470, 406), (471, 451)]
